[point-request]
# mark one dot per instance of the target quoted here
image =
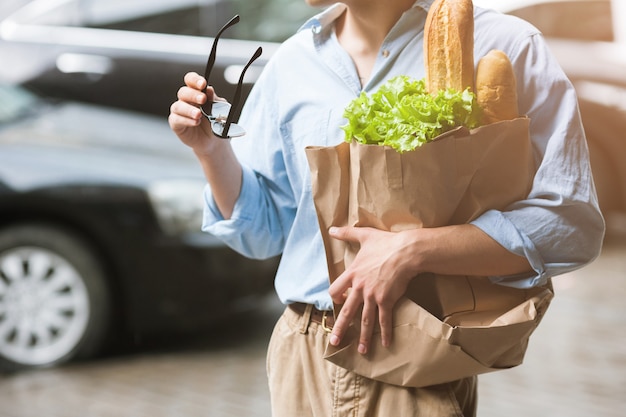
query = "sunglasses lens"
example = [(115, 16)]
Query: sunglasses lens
[(234, 130), (220, 109)]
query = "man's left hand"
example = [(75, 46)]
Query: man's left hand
[(375, 280)]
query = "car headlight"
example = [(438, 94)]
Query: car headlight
[(178, 205)]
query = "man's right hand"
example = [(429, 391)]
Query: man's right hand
[(219, 163), (186, 119)]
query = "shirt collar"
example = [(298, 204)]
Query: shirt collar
[(323, 20)]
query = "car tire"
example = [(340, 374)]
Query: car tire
[(54, 301)]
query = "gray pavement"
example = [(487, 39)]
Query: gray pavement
[(575, 365)]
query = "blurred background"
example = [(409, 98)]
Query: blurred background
[(113, 303)]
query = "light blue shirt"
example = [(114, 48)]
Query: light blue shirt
[(299, 101)]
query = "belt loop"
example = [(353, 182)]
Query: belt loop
[(306, 319)]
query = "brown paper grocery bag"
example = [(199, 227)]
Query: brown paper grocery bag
[(447, 327)]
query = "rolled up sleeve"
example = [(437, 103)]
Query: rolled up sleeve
[(558, 227), (264, 211)]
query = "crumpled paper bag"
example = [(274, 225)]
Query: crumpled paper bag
[(446, 327)]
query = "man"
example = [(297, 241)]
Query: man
[(259, 198)]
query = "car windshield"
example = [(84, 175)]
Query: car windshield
[(15, 102), (273, 20)]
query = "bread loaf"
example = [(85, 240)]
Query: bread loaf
[(496, 89), (449, 45)]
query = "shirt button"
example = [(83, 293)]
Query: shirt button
[(385, 53)]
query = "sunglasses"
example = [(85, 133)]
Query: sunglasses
[(221, 114)]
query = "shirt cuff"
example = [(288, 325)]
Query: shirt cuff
[(502, 230), (229, 230)]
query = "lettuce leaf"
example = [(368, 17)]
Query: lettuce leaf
[(403, 115)]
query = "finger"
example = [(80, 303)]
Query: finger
[(349, 234), (385, 319), (368, 318), (195, 81), (346, 315), (340, 288), (179, 123), (187, 111), (191, 95)]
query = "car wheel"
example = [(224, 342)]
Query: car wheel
[(54, 303)]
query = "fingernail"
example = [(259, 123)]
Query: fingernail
[(334, 340), (332, 230), (362, 349), (200, 98)]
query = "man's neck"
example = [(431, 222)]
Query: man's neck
[(364, 26)]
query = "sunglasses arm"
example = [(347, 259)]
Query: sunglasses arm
[(237, 98)]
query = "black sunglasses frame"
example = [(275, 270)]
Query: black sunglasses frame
[(220, 125)]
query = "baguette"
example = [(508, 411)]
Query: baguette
[(449, 45), (496, 88)]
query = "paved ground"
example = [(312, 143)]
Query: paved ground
[(576, 361), (575, 366)]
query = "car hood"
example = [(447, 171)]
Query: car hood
[(73, 143)]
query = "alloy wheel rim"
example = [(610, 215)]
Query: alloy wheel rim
[(44, 306)]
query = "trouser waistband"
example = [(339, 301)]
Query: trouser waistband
[(323, 317)]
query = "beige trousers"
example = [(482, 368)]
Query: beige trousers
[(302, 383)]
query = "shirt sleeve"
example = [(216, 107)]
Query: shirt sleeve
[(559, 227), (265, 208)]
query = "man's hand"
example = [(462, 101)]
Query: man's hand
[(376, 279), (387, 261), (186, 119), (219, 163)]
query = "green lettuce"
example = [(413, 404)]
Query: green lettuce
[(403, 115)]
